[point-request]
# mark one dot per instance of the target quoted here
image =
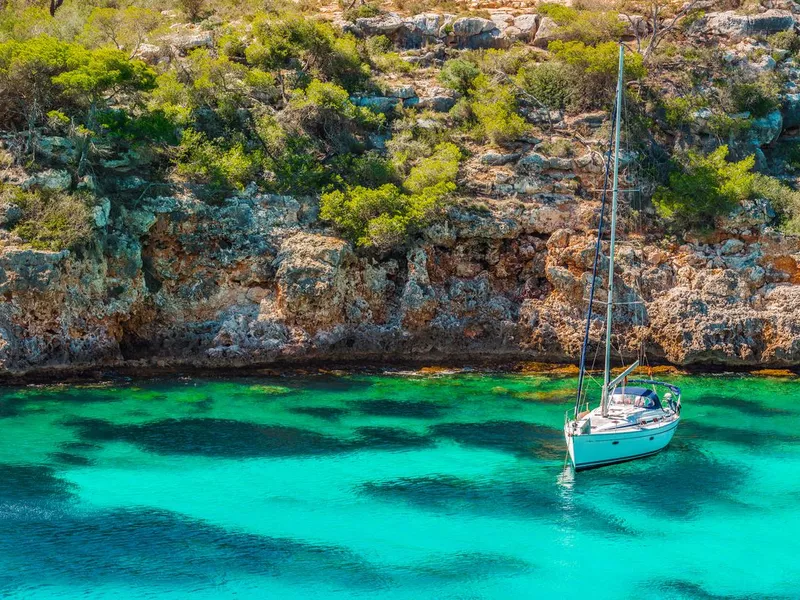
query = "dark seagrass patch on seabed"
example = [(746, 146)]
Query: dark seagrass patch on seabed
[(682, 471), (681, 589), (522, 439), (327, 413), (232, 439), (68, 458), (163, 547), (527, 500), (708, 432), (32, 482), (466, 566), (752, 408), (385, 407)]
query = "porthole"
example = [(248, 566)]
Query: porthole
[(651, 438), (615, 443)]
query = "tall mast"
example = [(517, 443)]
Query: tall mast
[(614, 196)]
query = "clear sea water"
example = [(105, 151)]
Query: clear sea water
[(392, 486)]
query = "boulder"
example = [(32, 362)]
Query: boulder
[(470, 26), (57, 148), (791, 110), (635, 25), (102, 212), (732, 246), (387, 24), (404, 92), (767, 129), (425, 25), (546, 32), (488, 39), (10, 214), (376, 103), (736, 26), (51, 180), (437, 103), (496, 159), (150, 53), (187, 41), (526, 24)]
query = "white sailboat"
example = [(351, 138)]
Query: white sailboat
[(632, 421)]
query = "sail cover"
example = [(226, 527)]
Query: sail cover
[(641, 392)]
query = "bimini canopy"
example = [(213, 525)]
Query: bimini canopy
[(636, 395)]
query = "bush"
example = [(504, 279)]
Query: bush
[(704, 188), (459, 75), (678, 110), (192, 8), (359, 10), (50, 220), (759, 97), (588, 26), (292, 41), (495, 108), (42, 73), (593, 71), (383, 217), (783, 199), (549, 83), (221, 164), (125, 29), (441, 166), (785, 40)]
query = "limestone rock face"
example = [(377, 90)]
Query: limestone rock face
[(737, 26), (311, 274), (255, 280), (52, 180), (546, 33)]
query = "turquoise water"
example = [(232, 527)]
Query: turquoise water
[(394, 486)]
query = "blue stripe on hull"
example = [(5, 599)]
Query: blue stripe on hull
[(603, 463)]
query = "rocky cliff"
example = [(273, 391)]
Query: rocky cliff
[(258, 279)]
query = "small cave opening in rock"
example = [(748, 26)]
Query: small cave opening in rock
[(151, 281)]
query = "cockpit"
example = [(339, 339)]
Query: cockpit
[(638, 397)]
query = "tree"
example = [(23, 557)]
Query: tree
[(704, 188), (662, 17), (125, 28)]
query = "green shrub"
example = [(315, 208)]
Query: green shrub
[(559, 147), (758, 97), (193, 9), (459, 75), (678, 110), (42, 73), (220, 163), (495, 108), (785, 40), (441, 166), (783, 199), (124, 28), (293, 41), (360, 10), (593, 71), (725, 126), (383, 217), (50, 220), (704, 188), (588, 26), (549, 83)]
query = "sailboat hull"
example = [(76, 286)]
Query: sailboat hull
[(590, 450)]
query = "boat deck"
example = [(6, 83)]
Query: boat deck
[(625, 418)]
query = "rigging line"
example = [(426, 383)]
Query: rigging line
[(597, 248)]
